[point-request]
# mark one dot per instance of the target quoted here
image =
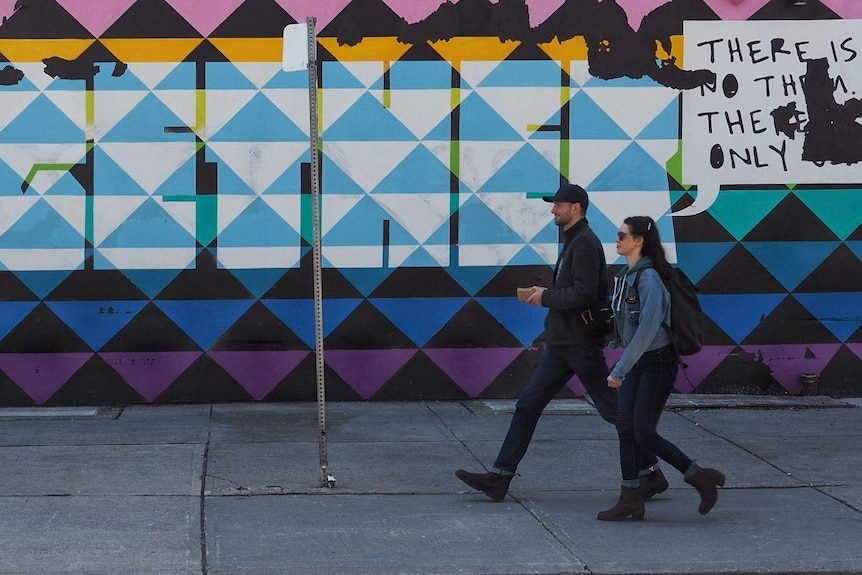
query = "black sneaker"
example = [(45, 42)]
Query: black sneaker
[(494, 485)]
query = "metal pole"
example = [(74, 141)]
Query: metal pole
[(327, 480)]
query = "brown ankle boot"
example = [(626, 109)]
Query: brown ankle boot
[(652, 484), (706, 481), (629, 506)]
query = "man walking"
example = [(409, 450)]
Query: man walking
[(579, 282)]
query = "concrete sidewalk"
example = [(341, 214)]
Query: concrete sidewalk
[(234, 488)]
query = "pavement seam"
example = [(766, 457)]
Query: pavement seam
[(205, 464)]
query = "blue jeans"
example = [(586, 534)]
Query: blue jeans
[(555, 369), (642, 397)]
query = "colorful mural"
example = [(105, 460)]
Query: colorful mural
[(155, 207)]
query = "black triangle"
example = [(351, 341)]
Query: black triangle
[(204, 381), (37, 19), (255, 19), (840, 377), (528, 51), (784, 10), (790, 323), (739, 272), (90, 285), (419, 282), (840, 272), (96, 383), (578, 18), (150, 331), (363, 19), (13, 396), (667, 20), (299, 283), (714, 335), (367, 328), (507, 280), (701, 227), (42, 332), (473, 326), (13, 289), (856, 235), (422, 52), (259, 330), (790, 220), (151, 19), (420, 380), (206, 281), (206, 52), (741, 373), (512, 381), (301, 385)]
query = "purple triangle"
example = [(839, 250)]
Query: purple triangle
[(700, 365), (367, 370), (150, 373), (787, 363), (473, 369), (259, 371), (40, 375), (855, 348)]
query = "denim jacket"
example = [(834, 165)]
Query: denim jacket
[(639, 314)]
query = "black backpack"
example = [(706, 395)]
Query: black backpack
[(686, 315)]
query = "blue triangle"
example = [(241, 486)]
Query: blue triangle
[(791, 262), (480, 122), (41, 228), (336, 75), (363, 226), (739, 314), (150, 282), (366, 280), (440, 237), (523, 73), (698, 258), (259, 226), (527, 171), (473, 278), (420, 317), (42, 123), (604, 228), (260, 121), (183, 77), (229, 183), (623, 82), (335, 181), (665, 126), (42, 283), (226, 76), (65, 85), (288, 81), (105, 80), (10, 181), (146, 124), (24, 85), (442, 132), (485, 226), (420, 258), (67, 185), (96, 322), (527, 257), (258, 281), (525, 322), (182, 182), (589, 122), (840, 312), (298, 315), (108, 175), (633, 169), (368, 120), (150, 226), (420, 75), (549, 234), (204, 320), (11, 314), (855, 247), (290, 182), (419, 172)]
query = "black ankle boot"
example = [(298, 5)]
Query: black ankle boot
[(706, 481), (652, 484), (494, 485), (629, 506)]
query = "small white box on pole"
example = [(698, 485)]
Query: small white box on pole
[(295, 49)]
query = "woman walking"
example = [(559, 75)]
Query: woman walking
[(647, 369)]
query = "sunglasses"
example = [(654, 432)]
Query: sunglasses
[(622, 235)]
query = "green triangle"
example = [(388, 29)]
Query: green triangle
[(840, 210), (674, 167), (738, 211)]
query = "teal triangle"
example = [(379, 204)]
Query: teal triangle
[(42, 283), (41, 228), (480, 122), (633, 169), (839, 312), (590, 122), (258, 281), (226, 76), (229, 183), (791, 262), (260, 121), (288, 81), (363, 226), (335, 181), (150, 226), (739, 314), (523, 74), (698, 258), (336, 75), (67, 185), (146, 123), (150, 282), (527, 171), (182, 182), (473, 278), (740, 210), (42, 123), (108, 175), (183, 77), (105, 80), (420, 172), (420, 318), (368, 120), (259, 226), (366, 280), (204, 320), (665, 126), (10, 181), (96, 322), (11, 314), (481, 225), (840, 210), (298, 315), (525, 322)]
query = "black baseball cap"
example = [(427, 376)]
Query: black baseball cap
[(571, 193)]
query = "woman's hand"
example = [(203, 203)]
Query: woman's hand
[(615, 383)]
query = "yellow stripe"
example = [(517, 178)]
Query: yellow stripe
[(26, 51), (151, 49), (250, 49)]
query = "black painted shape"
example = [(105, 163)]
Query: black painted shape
[(701, 227), (367, 328), (473, 326), (840, 272), (419, 282), (78, 69), (790, 220), (790, 323), (741, 373), (419, 380), (205, 52), (92, 285), (42, 332), (512, 380), (363, 19), (510, 278), (13, 289), (150, 331), (95, 383), (10, 76), (151, 19), (739, 272), (42, 19), (785, 10), (13, 396), (205, 283), (204, 381), (714, 335), (301, 385), (255, 19), (529, 52), (507, 20), (421, 53), (856, 235), (298, 283), (832, 134), (259, 330), (840, 377)]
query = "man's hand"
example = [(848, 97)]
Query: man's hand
[(535, 297), (615, 383)]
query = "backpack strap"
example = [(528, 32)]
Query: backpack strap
[(664, 324)]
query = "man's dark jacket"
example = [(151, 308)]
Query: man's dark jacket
[(579, 282)]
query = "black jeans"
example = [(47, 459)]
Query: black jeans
[(642, 397)]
